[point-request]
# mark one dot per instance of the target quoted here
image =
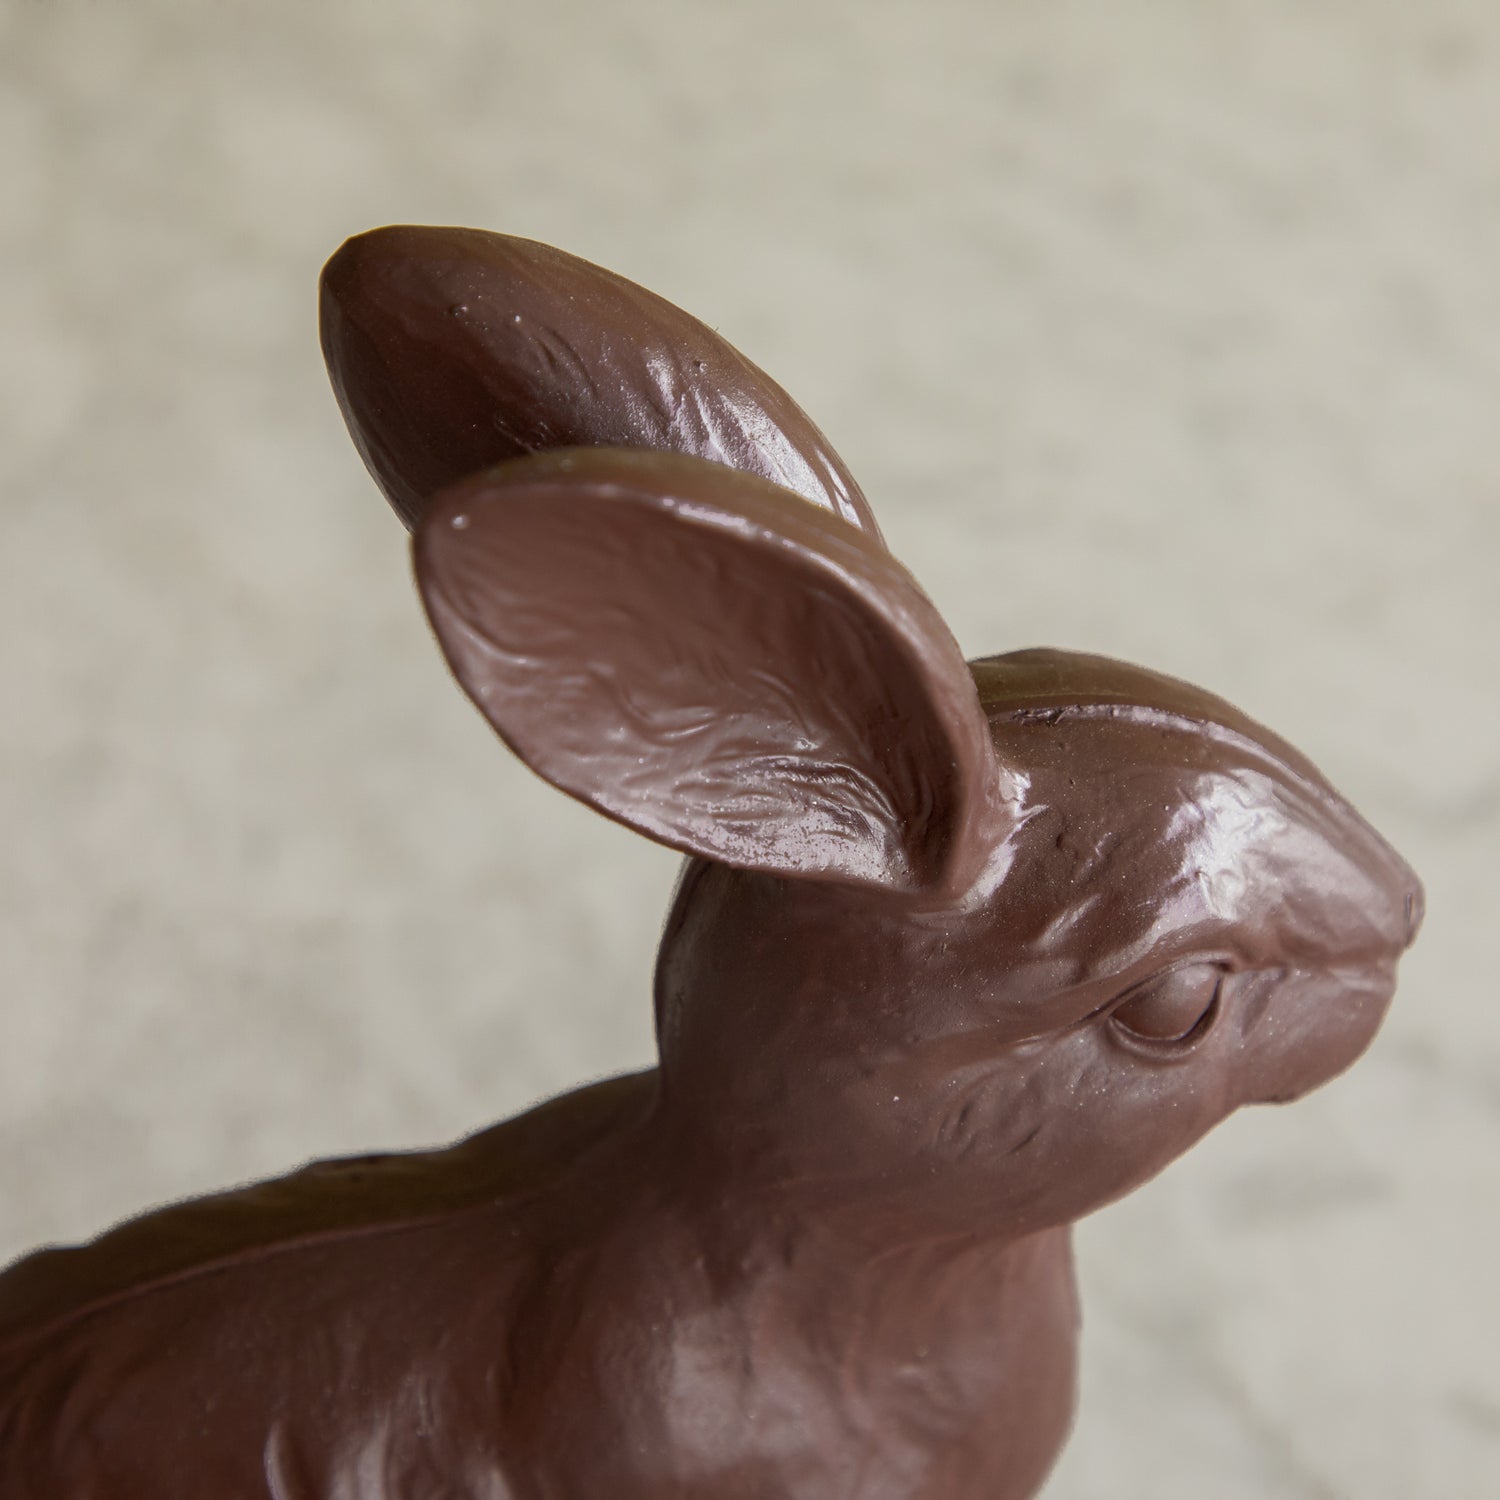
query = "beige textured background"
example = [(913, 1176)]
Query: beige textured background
[(1165, 330)]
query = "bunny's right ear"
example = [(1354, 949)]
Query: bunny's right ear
[(453, 349), (718, 665)]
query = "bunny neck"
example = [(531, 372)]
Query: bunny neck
[(782, 1008), (773, 1240)]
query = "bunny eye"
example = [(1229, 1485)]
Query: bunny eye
[(1170, 1007)]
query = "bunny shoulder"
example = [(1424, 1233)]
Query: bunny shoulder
[(296, 1374)]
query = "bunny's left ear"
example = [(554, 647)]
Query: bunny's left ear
[(717, 664)]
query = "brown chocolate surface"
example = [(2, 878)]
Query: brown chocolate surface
[(452, 349), (958, 955)]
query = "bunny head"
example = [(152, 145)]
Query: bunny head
[(988, 941), (1183, 917)]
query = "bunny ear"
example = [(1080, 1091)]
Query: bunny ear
[(452, 349), (716, 664)]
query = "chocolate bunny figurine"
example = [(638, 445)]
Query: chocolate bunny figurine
[(960, 952)]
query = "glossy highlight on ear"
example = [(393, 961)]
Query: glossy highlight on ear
[(717, 664), (453, 349)]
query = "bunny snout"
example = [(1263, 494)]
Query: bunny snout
[(1352, 915), (1308, 1026)]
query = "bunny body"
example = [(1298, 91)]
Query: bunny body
[(960, 953), (466, 1353)]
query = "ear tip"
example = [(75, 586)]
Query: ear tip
[(388, 242), (359, 256), (366, 263), (391, 245)]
